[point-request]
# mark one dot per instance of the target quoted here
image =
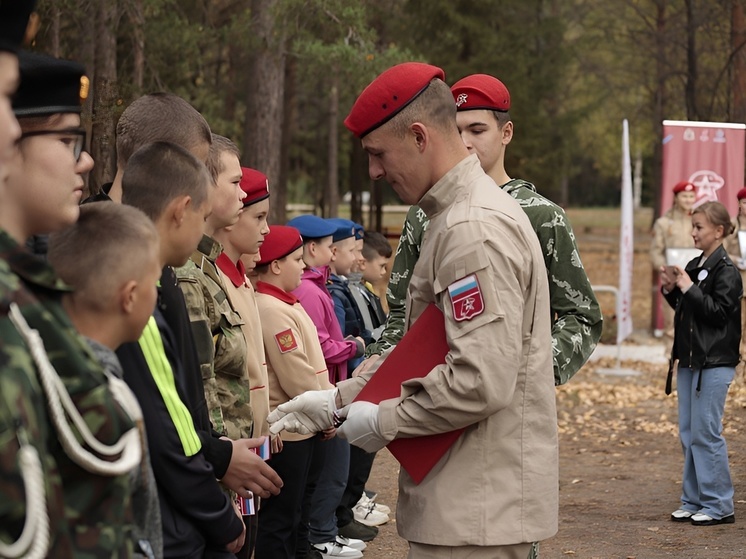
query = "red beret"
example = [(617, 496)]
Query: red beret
[(278, 243), (388, 94), (741, 194), (480, 91), (683, 186), (255, 184)]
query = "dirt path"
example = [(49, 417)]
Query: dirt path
[(620, 474)]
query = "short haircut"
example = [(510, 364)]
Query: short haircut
[(434, 107), (717, 214), (375, 245), (160, 172), (502, 118), (219, 145), (159, 117), (109, 245)]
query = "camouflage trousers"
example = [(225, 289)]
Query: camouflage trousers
[(534, 551)]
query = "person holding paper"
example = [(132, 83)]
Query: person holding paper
[(496, 489), (672, 230), (735, 245)]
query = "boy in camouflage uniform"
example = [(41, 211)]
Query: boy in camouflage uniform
[(41, 194), (221, 344)]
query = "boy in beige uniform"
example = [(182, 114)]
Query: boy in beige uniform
[(245, 237), (496, 489), (295, 365)]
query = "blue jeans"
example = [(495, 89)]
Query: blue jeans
[(706, 485), (334, 461)]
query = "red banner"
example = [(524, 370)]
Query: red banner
[(710, 155)]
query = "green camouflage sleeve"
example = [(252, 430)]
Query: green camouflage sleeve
[(405, 258), (202, 317), (26, 462), (578, 320)]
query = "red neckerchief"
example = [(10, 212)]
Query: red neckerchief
[(236, 272), (276, 292)]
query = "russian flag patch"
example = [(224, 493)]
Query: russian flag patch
[(466, 298)]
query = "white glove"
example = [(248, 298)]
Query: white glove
[(309, 413), (360, 426)]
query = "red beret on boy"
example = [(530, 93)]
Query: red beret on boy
[(278, 243), (388, 94), (683, 186), (255, 184), (741, 194), (480, 91)]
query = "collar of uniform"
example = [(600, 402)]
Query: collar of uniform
[(235, 272), (210, 248), (450, 187), (29, 267), (276, 292), (515, 184)]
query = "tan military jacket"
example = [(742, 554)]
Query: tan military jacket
[(295, 362), (243, 298), (733, 247), (671, 230), (221, 345), (498, 484)]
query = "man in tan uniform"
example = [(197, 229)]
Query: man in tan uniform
[(481, 264)]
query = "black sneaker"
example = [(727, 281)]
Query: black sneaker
[(357, 531)]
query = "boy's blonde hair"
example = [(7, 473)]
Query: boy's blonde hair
[(109, 245)]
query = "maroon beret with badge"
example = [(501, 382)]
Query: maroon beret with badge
[(480, 91), (255, 184), (388, 94), (741, 194), (683, 186), (278, 243)]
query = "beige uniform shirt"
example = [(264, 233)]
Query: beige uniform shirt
[(671, 230), (295, 362), (243, 298), (498, 484)]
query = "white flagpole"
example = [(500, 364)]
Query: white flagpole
[(626, 244)]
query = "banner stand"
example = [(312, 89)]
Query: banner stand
[(617, 370)]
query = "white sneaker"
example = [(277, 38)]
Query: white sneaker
[(365, 501), (369, 516), (336, 549), (360, 545)]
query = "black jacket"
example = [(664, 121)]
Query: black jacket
[(708, 316), (198, 518)]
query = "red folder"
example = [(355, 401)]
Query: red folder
[(422, 348)]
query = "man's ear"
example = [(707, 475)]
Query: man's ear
[(274, 267), (421, 135), (507, 133), (128, 296)]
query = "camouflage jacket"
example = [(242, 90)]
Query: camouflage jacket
[(407, 254), (577, 318), (97, 508), (221, 344), (24, 423)]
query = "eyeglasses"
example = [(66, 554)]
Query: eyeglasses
[(77, 137)]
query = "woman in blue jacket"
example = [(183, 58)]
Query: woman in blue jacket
[(707, 331)]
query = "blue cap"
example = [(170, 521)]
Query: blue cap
[(312, 227), (344, 228), (359, 231)]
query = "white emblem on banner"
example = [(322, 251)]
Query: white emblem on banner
[(704, 135), (719, 136), (688, 135), (707, 183)]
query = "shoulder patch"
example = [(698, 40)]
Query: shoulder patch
[(466, 298), (286, 341)]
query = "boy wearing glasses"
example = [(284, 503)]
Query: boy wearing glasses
[(40, 194)]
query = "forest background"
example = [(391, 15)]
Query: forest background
[(279, 76)]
